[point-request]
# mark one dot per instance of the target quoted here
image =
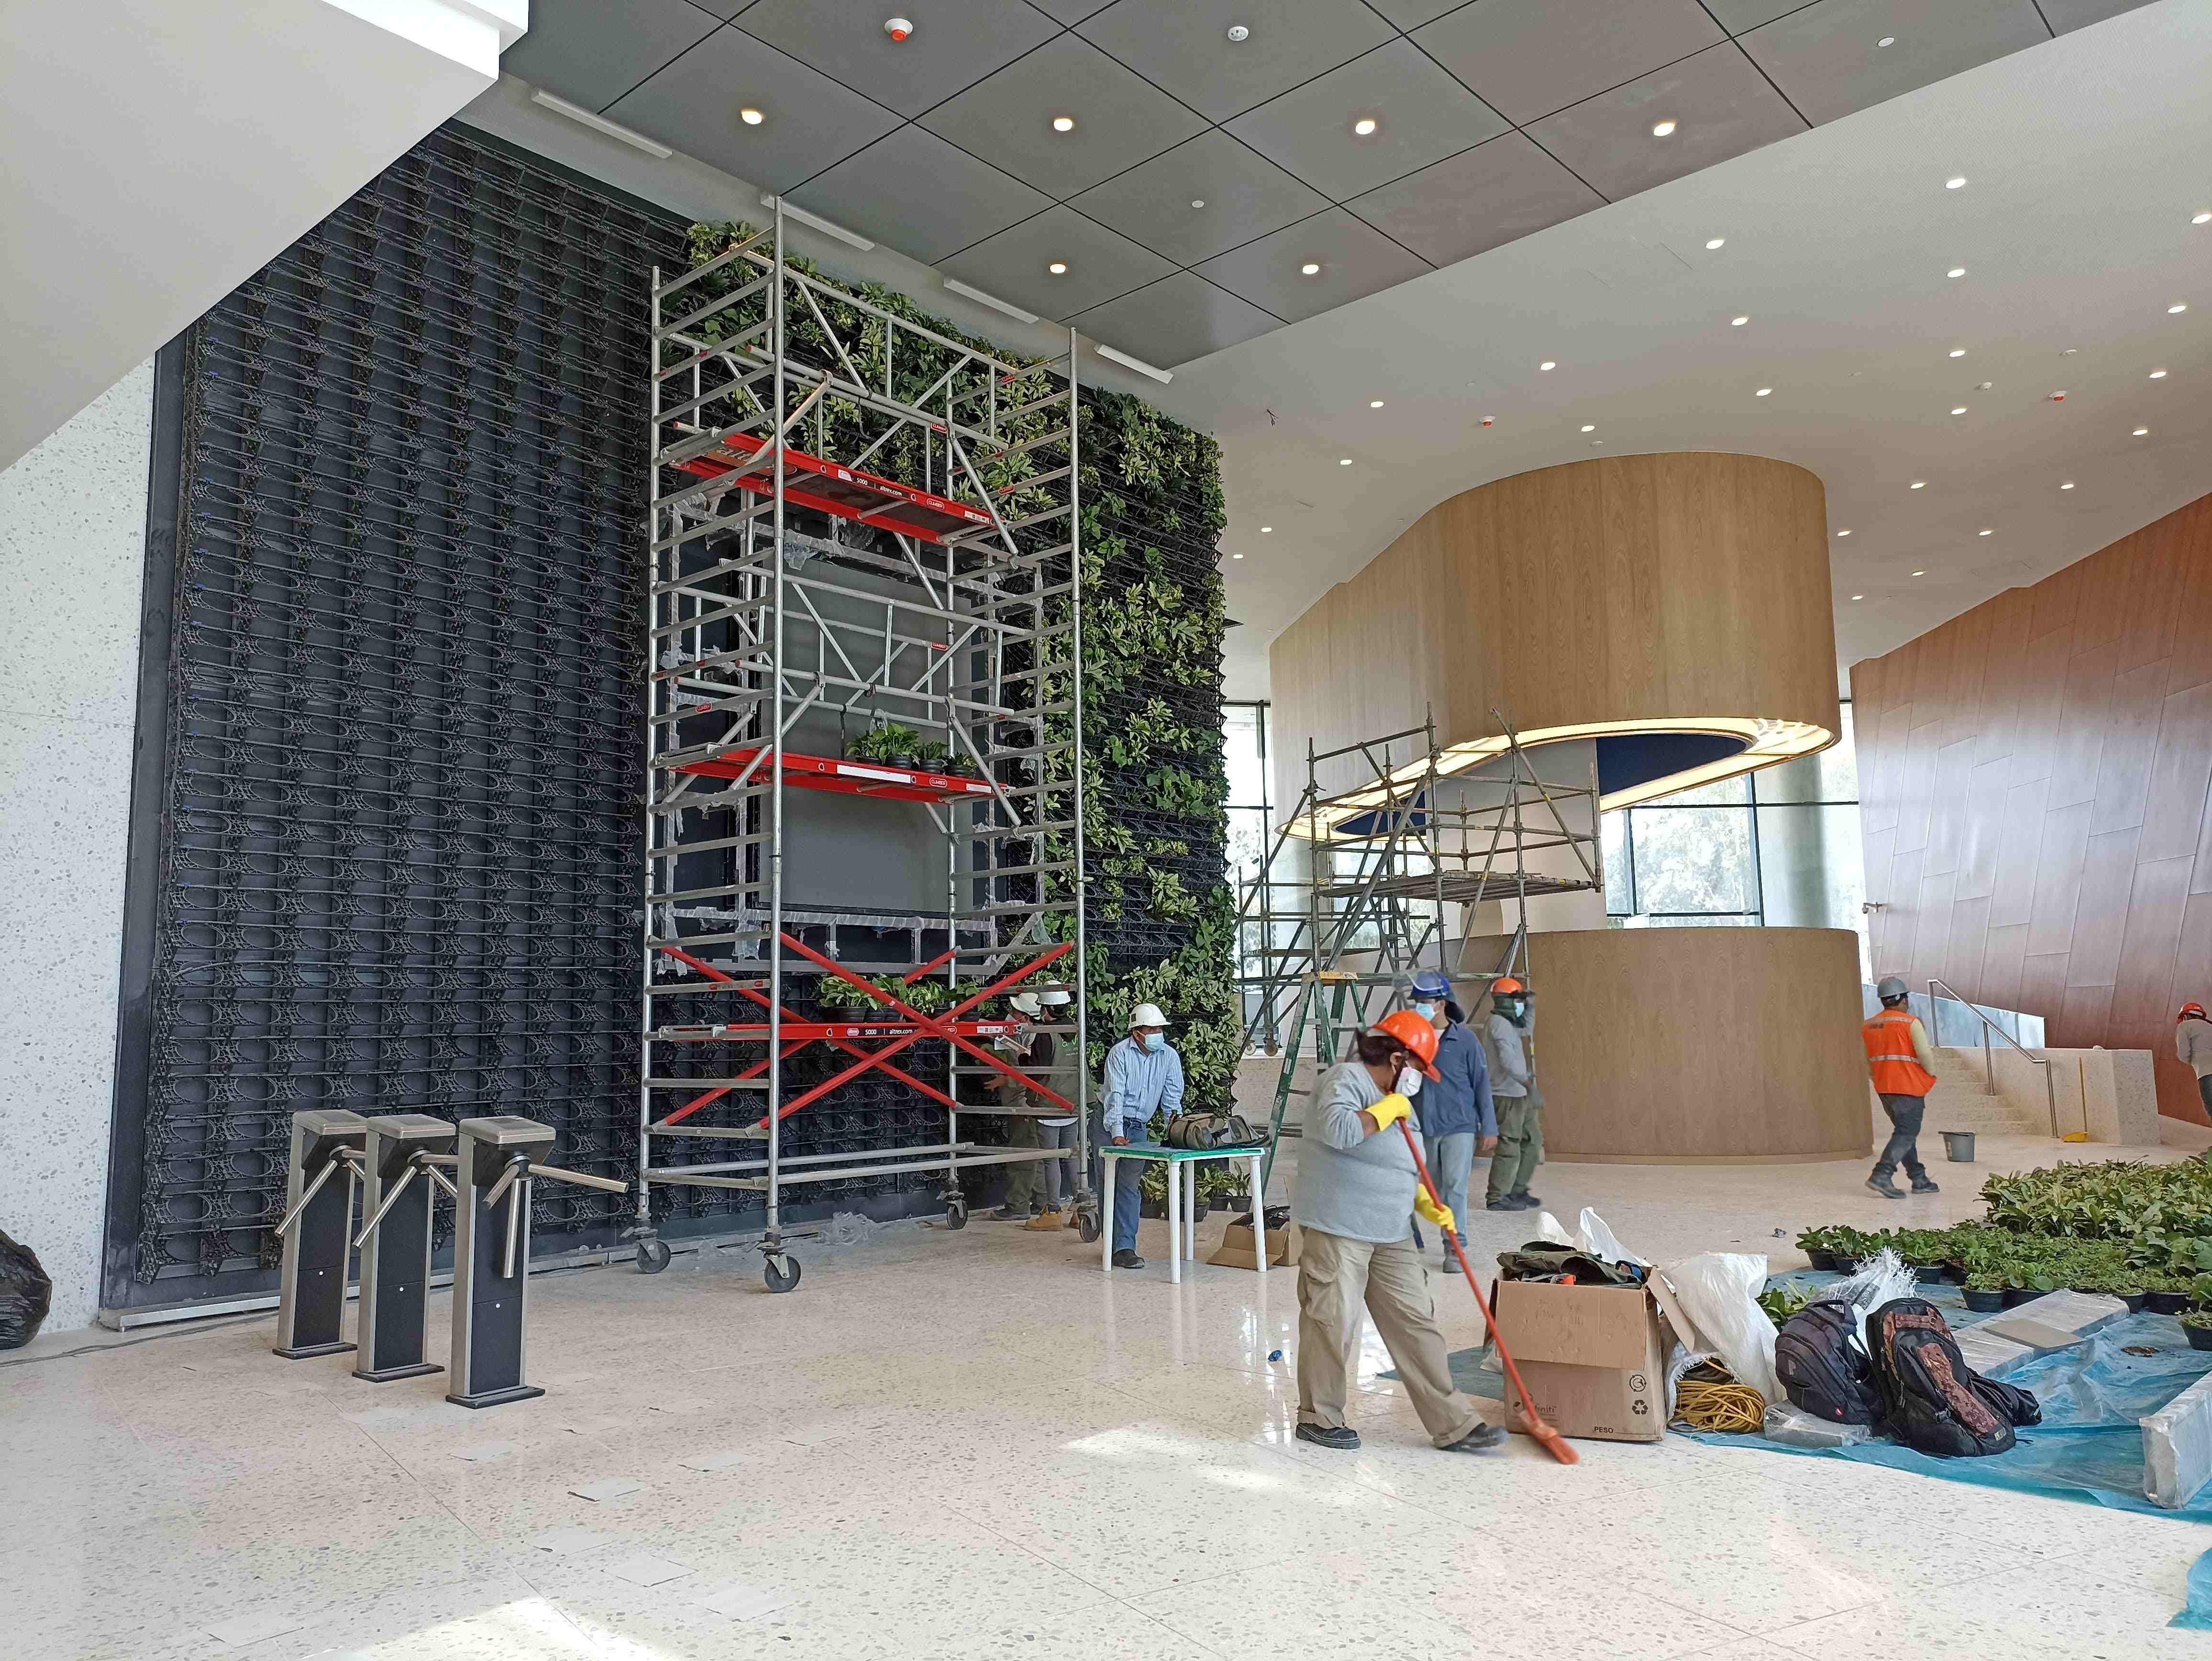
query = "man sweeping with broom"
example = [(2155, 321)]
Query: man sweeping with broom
[(1358, 1188)]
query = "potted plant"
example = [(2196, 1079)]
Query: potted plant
[(2165, 1294), (2197, 1324), (931, 755)]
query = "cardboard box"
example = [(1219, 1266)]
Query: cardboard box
[(1236, 1248), (1593, 1356)]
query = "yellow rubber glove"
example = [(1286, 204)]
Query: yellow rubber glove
[(1430, 1211), (1391, 1108)]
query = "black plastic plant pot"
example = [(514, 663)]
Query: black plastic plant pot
[(1820, 1260), (2134, 1300), (2199, 1337), (1927, 1274), (1847, 1265), (1955, 1273), (1985, 1302), (2165, 1303), (2016, 1296)]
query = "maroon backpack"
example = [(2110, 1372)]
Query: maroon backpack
[(1822, 1369)]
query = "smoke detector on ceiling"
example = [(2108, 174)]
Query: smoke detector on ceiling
[(898, 28), (1238, 33)]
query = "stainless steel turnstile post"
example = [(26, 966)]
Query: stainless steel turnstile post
[(402, 1174), (498, 1161), (317, 1229)]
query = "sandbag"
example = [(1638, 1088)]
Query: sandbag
[(26, 1294)]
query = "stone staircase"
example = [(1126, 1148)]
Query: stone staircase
[(1960, 1101)]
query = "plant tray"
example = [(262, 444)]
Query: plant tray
[(851, 778), (843, 492)]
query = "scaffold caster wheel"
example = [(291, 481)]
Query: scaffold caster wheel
[(1087, 1227), (653, 1256), (956, 1215), (782, 1273)]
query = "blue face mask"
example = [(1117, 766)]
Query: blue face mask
[(1156, 1042), (1427, 1011)]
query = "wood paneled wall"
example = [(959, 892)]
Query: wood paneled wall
[(2032, 777), (1624, 589)]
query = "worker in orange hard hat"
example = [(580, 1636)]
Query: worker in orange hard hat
[(2192, 1042), (1520, 1104), (1903, 1064), (1358, 1192)]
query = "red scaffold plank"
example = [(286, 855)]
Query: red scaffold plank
[(851, 778), (845, 492)]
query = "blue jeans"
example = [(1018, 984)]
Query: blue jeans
[(1127, 1173), (1451, 1159), (1059, 1174)]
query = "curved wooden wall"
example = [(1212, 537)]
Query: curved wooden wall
[(1698, 1046), (1628, 588)]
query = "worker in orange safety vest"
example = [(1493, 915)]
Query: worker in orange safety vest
[(1903, 1063)]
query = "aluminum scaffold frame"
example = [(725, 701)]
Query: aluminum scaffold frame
[(1338, 956), (787, 577)]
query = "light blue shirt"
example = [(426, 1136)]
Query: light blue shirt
[(1140, 1082)]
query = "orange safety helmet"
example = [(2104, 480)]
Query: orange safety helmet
[(1418, 1038), (1505, 986), (2196, 1009)]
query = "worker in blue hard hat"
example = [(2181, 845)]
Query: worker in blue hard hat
[(1456, 1112)]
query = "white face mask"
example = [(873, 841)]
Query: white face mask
[(1427, 1011), (1409, 1082), (1156, 1042)]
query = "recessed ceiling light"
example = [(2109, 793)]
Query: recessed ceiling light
[(1984, 385), (2142, 432), (2158, 374), (1858, 596), (1986, 531), (1958, 351), (1058, 268), (1236, 555), (1959, 409), (749, 116), (1198, 202), (1764, 392), (2069, 351), (1266, 529), (2173, 310), (1374, 403), (1589, 427), (1310, 269), (1547, 364), (1920, 574), (1956, 270), (1661, 129), (1919, 484), (1958, 183), (1365, 125), (1843, 533), (1063, 124), (1887, 40), (1343, 461), (1738, 322), (2068, 486), (1716, 242), (2202, 219)]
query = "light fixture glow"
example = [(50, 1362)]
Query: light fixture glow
[(2068, 486), (1365, 125), (2142, 432), (1058, 268), (1986, 531), (1547, 364), (1343, 461), (1920, 574), (1958, 410), (1590, 426), (1716, 242), (1843, 533), (1958, 351), (1310, 269), (2172, 311), (2158, 374), (2202, 219), (1265, 530), (1958, 183), (1374, 403), (1661, 129), (1738, 322), (1236, 555), (749, 116), (1063, 124), (1764, 392), (1887, 40), (1858, 596), (1919, 484), (1956, 270), (1198, 202)]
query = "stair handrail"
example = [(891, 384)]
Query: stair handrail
[(1988, 1068)]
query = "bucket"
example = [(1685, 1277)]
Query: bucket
[(1959, 1147)]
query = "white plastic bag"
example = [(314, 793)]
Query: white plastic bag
[(1711, 1301), (1800, 1429), (1593, 1237), (1880, 1278)]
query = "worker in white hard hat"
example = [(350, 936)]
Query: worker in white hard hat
[(1144, 1076), (1903, 1064), (1024, 1179)]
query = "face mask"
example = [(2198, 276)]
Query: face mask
[(1409, 1082), (1156, 1042), (1511, 1010), (1427, 1011)]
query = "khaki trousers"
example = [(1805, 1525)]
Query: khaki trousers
[(1338, 1277), (1520, 1146), (1024, 1179)]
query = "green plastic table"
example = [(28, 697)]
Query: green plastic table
[(1182, 1201)]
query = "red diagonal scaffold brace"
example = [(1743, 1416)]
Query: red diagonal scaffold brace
[(790, 1049), (932, 1028)]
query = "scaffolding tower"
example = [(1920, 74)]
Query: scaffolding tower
[(857, 520), (1330, 945)]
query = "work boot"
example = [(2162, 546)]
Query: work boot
[(1503, 1202), (1127, 1260), (1528, 1201), (1342, 1438), (1880, 1183), (1006, 1214), (1481, 1437), (1922, 1186), (1045, 1220)]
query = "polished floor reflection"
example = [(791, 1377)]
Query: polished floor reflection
[(972, 1445)]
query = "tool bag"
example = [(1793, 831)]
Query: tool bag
[(1546, 1260), (1931, 1399), (1822, 1369), (1203, 1131)]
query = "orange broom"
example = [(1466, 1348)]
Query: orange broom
[(1553, 1443)]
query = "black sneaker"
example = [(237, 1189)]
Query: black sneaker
[(1880, 1183), (1922, 1186), (1528, 1201), (1342, 1438), (1127, 1260), (1481, 1437), (1503, 1202)]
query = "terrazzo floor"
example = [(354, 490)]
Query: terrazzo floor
[(974, 1444)]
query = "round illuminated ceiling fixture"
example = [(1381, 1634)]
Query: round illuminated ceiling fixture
[(1738, 322), (1920, 574), (1343, 461), (1713, 242), (1986, 531), (1956, 270), (1374, 403), (2068, 486), (1843, 533), (1764, 392), (1266, 529), (1958, 351), (1547, 364), (1919, 484), (1661, 129), (1198, 202), (1365, 126), (1959, 409), (1236, 555), (749, 116), (1310, 269), (1063, 124), (1887, 40), (1058, 268), (1590, 427), (2172, 311), (2142, 432), (2158, 374), (2200, 219), (1957, 184)]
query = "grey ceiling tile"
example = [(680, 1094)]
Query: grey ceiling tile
[(1723, 107), (1412, 13), (1529, 58), (719, 7), (2067, 16), (811, 122), (951, 47), (1737, 15), (922, 196), (1355, 259), (1828, 61), (1184, 45), (591, 52), (1492, 194), (1423, 115), (1102, 264), (1246, 196), (1119, 118), (1175, 319), (1071, 12)]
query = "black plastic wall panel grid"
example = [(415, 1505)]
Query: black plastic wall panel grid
[(400, 826)]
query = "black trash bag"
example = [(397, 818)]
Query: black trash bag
[(26, 1292)]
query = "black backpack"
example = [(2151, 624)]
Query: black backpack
[(1931, 1400), (1822, 1369)]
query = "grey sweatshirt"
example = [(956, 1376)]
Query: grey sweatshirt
[(1509, 1057), (2192, 1042), (1350, 1183)]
